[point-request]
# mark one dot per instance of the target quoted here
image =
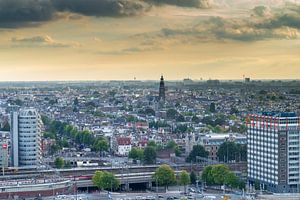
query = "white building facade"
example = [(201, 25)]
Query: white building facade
[(274, 151), (26, 135)]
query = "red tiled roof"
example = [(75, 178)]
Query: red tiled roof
[(123, 141)]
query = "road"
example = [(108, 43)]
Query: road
[(171, 195)]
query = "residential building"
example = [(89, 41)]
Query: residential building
[(26, 138), (212, 142), (123, 146), (274, 151)]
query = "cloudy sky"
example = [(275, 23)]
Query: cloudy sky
[(123, 39)]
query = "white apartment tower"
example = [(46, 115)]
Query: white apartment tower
[(273, 155), (26, 138)]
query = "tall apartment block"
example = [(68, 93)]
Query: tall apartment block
[(274, 151), (26, 138)]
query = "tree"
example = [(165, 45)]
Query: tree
[(197, 150), (136, 153), (172, 113), (150, 111), (105, 180), (59, 162), (195, 119), (207, 175), (151, 143), (184, 179), (212, 107), (171, 145), (49, 135), (165, 175), (180, 118), (6, 127), (231, 180), (193, 177), (220, 174), (100, 145), (177, 151), (230, 151), (181, 128), (150, 155)]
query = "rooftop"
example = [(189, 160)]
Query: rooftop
[(280, 114)]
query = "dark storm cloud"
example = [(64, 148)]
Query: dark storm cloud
[(102, 7), (18, 13), (15, 13)]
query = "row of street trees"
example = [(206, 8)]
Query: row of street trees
[(165, 176), (231, 151), (62, 132)]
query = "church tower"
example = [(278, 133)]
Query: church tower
[(161, 96)]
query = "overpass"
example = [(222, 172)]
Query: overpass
[(125, 180), (126, 174)]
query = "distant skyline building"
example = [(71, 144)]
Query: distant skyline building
[(26, 138), (274, 151), (162, 90)]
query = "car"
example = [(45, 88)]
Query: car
[(138, 197), (170, 198), (150, 198), (192, 190)]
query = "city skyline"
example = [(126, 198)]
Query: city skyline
[(122, 39)]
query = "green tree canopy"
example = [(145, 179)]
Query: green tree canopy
[(151, 143), (184, 179), (195, 119), (231, 151), (193, 177), (136, 153), (150, 155), (172, 113), (197, 150), (220, 174), (105, 180), (171, 145), (59, 162), (165, 175), (6, 127), (100, 144)]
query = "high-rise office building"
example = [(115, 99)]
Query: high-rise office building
[(162, 95), (26, 138), (274, 151)]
